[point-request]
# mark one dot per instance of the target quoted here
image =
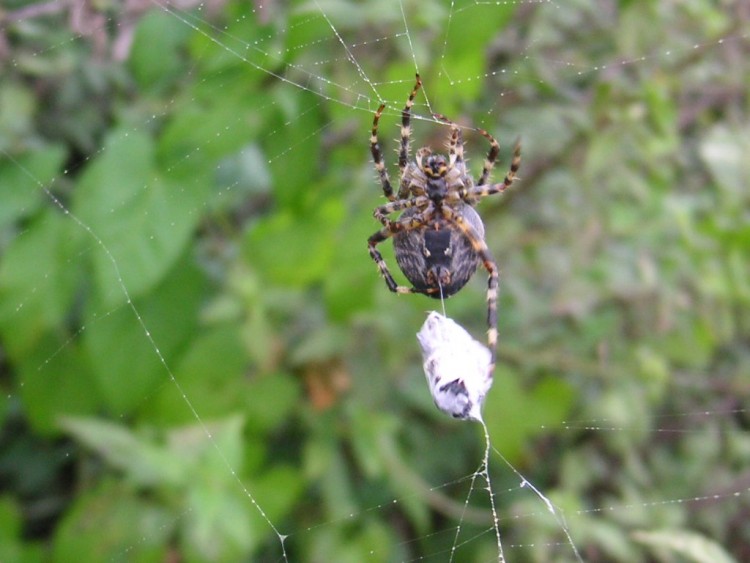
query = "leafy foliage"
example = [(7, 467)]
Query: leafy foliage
[(192, 329)]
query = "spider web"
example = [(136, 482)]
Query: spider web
[(318, 52)]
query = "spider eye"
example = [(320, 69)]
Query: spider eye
[(435, 166), (435, 171)]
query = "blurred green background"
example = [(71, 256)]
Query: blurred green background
[(185, 197)]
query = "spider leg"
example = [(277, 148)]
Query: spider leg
[(390, 229), (482, 190), (403, 153), (480, 247), (383, 211), (377, 157), (489, 162), (456, 145)]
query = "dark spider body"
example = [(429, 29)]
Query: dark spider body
[(439, 238), (438, 253)]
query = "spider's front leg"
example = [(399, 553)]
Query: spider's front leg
[(403, 153), (480, 247), (482, 190), (377, 157), (456, 143), (391, 227), (489, 162)]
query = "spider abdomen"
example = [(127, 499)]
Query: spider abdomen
[(437, 254)]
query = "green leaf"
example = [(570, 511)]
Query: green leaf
[(224, 521), (17, 108), (295, 251), (200, 443), (725, 151), (12, 546), (356, 270), (270, 400), (57, 380), (367, 430), (205, 131), (23, 180), (211, 374), (326, 341), (112, 522), (277, 490), (691, 545), (130, 349), (37, 281), (155, 56), (514, 415), (144, 463), (325, 465), (465, 62), (218, 524), (138, 220), (295, 128), (10, 521)]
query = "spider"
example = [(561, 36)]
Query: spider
[(438, 240)]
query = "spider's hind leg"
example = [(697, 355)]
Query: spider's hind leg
[(480, 247), (390, 228), (372, 242)]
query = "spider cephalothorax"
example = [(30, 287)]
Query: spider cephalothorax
[(439, 238)]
